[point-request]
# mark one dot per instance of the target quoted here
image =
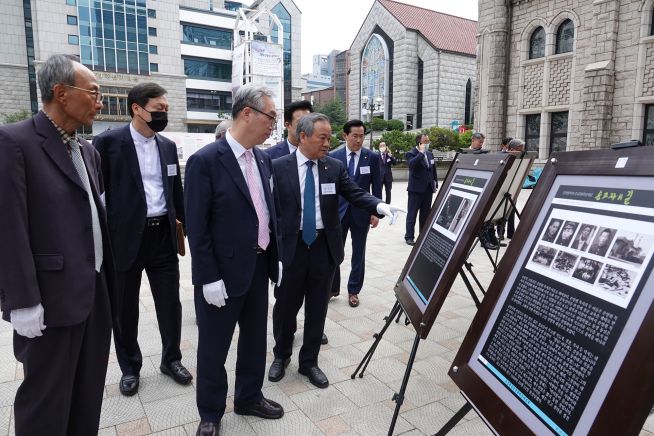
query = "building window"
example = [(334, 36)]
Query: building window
[(73, 39), (565, 37), (558, 131), (532, 132), (285, 19), (71, 2), (467, 119), (208, 101), (152, 13), (153, 49), (201, 128), (537, 44), (152, 31), (232, 6), (210, 70), (421, 68), (219, 38), (154, 68), (648, 130), (115, 101), (71, 19)]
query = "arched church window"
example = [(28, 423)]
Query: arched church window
[(537, 44), (374, 70), (565, 37)]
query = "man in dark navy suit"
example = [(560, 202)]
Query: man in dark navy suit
[(56, 278), (423, 182), (387, 162), (292, 115), (308, 185), (364, 168), (235, 244), (144, 202)]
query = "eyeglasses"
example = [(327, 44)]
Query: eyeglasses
[(95, 93), (273, 120)]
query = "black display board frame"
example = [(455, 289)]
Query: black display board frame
[(625, 400), (495, 167)]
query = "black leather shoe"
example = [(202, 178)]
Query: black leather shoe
[(207, 428), (276, 371), (316, 376), (129, 385), (489, 246), (267, 409), (176, 370), (324, 340), (410, 241)]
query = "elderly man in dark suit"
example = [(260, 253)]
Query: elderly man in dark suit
[(144, 202), (364, 168), (423, 182), (292, 114), (308, 186), (235, 243), (56, 283)]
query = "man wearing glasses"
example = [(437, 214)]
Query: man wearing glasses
[(56, 279), (235, 241), (144, 201)]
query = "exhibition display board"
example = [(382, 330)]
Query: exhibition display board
[(563, 341)]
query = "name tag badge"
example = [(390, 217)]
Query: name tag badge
[(328, 188), (364, 170), (432, 161), (172, 170)]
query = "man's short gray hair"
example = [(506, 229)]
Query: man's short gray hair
[(478, 136), (515, 143), (57, 69), (222, 128), (307, 122), (249, 96)]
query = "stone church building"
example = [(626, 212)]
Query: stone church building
[(565, 74), (413, 64)]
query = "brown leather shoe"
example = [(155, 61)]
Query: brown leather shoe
[(207, 428)]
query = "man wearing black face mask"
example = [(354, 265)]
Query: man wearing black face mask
[(144, 200)]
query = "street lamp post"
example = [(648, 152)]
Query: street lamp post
[(371, 108)]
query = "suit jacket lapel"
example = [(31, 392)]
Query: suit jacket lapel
[(164, 165), (294, 179), (264, 173), (132, 160), (228, 160), (323, 177)]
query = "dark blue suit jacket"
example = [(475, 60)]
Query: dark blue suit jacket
[(330, 171), (45, 225), (125, 196), (278, 150), (222, 224), (370, 180), (422, 178)]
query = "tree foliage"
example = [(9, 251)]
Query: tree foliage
[(335, 110), (14, 117)]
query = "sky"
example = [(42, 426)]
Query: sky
[(332, 24)]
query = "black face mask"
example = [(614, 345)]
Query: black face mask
[(159, 120)]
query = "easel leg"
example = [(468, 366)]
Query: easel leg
[(469, 286), (468, 266), (399, 397), (458, 416), (395, 311)]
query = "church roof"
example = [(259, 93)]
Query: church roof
[(443, 31)]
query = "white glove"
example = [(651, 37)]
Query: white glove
[(28, 322), (280, 268), (215, 293), (390, 210)]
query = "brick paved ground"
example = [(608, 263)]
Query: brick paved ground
[(347, 407)]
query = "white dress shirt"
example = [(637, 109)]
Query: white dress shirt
[(302, 173), (291, 147), (239, 153), (147, 153), (357, 155)]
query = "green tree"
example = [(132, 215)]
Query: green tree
[(395, 125), (442, 138), (16, 116), (379, 124), (335, 110), (399, 142)]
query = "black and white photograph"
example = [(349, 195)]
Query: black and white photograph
[(567, 233), (602, 241), (616, 280), (461, 215), (449, 210), (564, 262), (631, 247), (544, 255), (584, 237), (587, 270), (552, 230)]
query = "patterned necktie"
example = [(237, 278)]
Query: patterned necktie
[(78, 163), (350, 165), (259, 205), (309, 211)]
